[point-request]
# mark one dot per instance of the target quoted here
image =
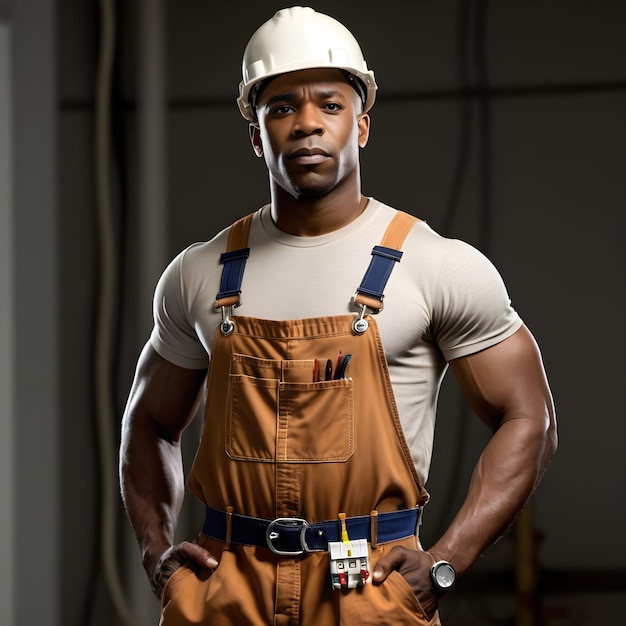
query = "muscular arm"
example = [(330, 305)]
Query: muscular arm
[(506, 387), (162, 402)]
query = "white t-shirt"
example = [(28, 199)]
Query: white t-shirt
[(444, 300)]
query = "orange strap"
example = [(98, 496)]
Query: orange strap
[(238, 234), (397, 230)]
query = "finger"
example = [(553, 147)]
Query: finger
[(389, 563), (175, 557), (198, 555)]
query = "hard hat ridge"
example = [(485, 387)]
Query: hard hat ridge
[(300, 38)]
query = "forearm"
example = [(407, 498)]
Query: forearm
[(152, 484), (505, 476)]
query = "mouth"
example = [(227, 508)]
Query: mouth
[(308, 156)]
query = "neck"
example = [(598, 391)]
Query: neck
[(310, 216)]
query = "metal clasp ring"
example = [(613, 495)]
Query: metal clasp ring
[(227, 326), (360, 324)]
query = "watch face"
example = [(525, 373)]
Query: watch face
[(443, 575)]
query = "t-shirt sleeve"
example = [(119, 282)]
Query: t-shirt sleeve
[(174, 336), (473, 310)]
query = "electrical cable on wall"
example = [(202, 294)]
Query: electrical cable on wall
[(106, 315), (473, 78), (484, 125), (464, 55), (467, 34)]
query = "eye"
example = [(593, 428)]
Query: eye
[(333, 107), (281, 109)]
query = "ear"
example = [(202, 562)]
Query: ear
[(363, 123), (255, 139)]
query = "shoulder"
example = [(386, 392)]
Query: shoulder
[(204, 256), (472, 309), (450, 259)]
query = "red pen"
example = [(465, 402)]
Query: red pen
[(338, 366), (316, 371)]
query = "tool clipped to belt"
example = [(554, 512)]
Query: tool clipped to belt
[(349, 560)]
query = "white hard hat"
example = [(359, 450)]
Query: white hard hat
[(300, 38)]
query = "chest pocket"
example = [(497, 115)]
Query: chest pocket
[(277, 415)]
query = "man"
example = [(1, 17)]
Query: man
[(319, 413)]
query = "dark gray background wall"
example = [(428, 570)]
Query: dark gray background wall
[(501, 123)]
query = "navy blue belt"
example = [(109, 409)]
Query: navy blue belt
[(291, 536)]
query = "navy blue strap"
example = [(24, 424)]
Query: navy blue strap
[(232, 273), (252, 531), (234, 263), (378, 272)]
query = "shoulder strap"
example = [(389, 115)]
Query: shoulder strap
[(369, 293), (234, 262), (384, 257), (238, 234), (398, 229)]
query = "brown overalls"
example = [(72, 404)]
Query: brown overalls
[(276, 444)]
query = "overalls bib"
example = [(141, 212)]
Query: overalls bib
[(282, 441)]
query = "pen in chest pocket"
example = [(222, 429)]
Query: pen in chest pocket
[(341, 366), (338, 366), (328, 373)]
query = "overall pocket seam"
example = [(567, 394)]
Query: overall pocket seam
[(301, 407)]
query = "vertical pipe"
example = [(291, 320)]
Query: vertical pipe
[(526, 571), (37, 359), (152, 138)]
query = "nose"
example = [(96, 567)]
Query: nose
[(308, 121)]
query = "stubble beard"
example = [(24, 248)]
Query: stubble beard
[(312, 185), (311, 191), (307, 188)]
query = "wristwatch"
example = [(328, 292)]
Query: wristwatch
[(443, 575)]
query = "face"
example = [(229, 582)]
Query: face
[(310, 128)]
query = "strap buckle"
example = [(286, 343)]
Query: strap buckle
[(227, 326), (360, 324), (272, 535)]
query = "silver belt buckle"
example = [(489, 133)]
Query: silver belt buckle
[(272, 535)]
